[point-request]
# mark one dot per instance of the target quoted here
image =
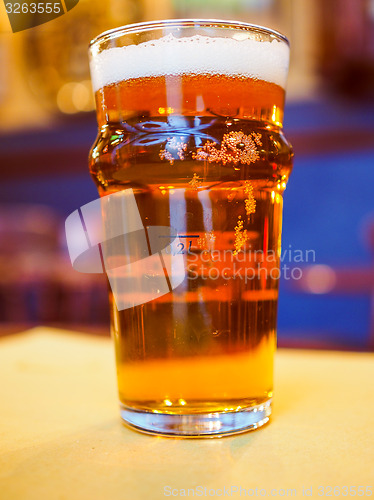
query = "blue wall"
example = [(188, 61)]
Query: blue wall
[(326, 203)]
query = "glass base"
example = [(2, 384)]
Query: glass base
[(198, 424)]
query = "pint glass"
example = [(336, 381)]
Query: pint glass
[(190, 130)]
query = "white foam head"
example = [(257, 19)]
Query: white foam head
[(197, 54)]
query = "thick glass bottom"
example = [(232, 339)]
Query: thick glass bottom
[(215, 424)]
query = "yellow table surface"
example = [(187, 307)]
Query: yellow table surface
[(61, 436)]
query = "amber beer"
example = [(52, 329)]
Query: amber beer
[(191, 122)]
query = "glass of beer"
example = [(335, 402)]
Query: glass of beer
[(190, 131)]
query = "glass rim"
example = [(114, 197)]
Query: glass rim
[(213, 23)]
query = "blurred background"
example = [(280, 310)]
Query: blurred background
[(47, 126)]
